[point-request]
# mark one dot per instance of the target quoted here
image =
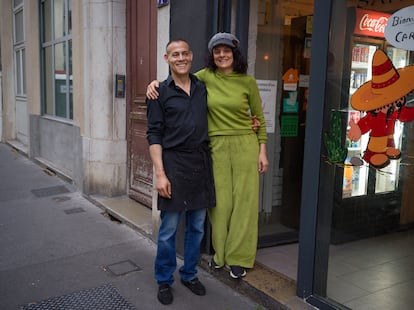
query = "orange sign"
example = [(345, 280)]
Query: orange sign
[(290, 79)]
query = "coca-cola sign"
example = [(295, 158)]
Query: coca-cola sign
[(400, 29), (370, 23)]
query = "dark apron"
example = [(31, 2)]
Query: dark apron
[(191, 176)]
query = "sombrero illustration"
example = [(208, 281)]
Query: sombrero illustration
[(386, 86)]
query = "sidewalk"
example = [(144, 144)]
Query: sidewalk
[(59, 250)]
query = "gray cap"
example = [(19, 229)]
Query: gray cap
[(223, 38)]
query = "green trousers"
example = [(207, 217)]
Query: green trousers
[(234, 220)]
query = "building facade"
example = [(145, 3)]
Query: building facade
[(59, 63), (73, 81)]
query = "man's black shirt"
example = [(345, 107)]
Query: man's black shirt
[(178, 120)]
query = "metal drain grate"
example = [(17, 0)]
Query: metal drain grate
[(74, 210), (61, 198), (104, 297), (122, 268), (50, 191)]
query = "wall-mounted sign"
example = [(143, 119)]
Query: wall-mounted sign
[(119, 86), (267, 89), (289, 125), (290, 104), (370, 23), (308, 47), (290, 80), (309, 24), (400, 29), (162, 3), (304, 80)]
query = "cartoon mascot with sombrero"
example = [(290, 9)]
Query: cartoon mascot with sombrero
[(383, 98)]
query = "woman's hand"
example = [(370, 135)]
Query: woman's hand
[(263, 163), (152, 92)]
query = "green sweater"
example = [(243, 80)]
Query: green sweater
[(231, 99)]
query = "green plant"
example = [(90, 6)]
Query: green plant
[(336, 153)]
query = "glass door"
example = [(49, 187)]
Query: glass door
[(386, 180), (363, 259), (282, 45), (356, 172), (356, 176)]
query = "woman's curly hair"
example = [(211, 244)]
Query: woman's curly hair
[(239, 62)]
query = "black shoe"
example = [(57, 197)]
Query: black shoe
[(195, 286), (165, 295), (212, 264), (237, 272)]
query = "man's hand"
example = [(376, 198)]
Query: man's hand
[(164, 186), (152, 92)]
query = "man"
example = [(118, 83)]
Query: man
[(178, 139)]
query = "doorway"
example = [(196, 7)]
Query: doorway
[(283, 47), (141, 69)]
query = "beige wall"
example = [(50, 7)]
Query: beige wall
[(32, 56), (6, 34), (91, 149), (99, 51), (77, 64), (15, 121)]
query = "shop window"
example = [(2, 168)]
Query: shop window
[(57, 58), (19, 47), (365, 208)]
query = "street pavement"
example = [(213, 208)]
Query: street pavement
[(58, 250)]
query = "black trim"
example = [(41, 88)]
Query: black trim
[(312, 151), (325, 304), (242, 24)]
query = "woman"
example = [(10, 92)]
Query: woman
[(238, 153)]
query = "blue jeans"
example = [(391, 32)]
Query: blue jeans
[(166, 262)]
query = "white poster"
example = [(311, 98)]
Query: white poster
[(267, 89), (399, 30)]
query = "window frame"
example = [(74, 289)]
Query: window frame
[(19, 51), (66, 40)]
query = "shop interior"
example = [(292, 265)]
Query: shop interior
[(371, 258)]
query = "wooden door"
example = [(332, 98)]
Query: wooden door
[(141, 35)]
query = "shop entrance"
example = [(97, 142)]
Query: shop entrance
[(283, 58)]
